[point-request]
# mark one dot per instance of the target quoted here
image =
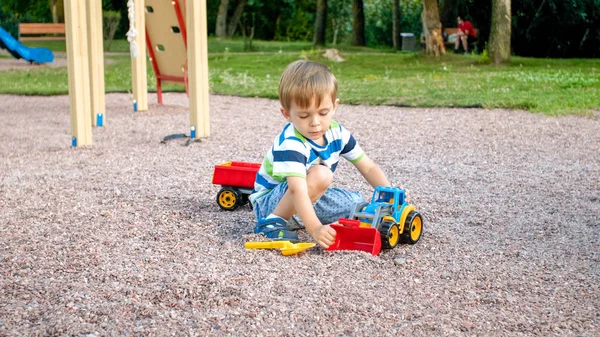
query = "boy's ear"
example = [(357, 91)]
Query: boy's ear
[(285, 114), (335, 105)]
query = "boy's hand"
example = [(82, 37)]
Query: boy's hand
[(324, 236), (406, 193)]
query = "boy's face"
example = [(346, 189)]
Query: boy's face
[(312, 122)]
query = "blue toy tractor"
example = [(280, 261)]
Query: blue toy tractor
[(394, 218)]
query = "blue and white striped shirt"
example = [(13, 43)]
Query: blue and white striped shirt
[(292, 155)]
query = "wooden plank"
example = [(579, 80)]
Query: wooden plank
[(170, 51), (42, 38), (96, 52), (138, 64), (42, 28), (450, 31), (79, 72), (197, 53)]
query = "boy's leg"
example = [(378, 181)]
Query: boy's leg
[(318, 179), (337, 203), (267, 224), (276, 207)]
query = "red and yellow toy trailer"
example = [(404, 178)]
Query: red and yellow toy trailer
[(237, 182)]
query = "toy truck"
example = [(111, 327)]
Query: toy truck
[(384, 222), (237, 181)]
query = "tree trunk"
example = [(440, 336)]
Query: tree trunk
[(336, 29), (431, 22), (432, 15), (396, 25), (500, 32), (358, 23), (235, 19), (320, 23), (60, 11), (449, 13), (221, 27), (54, 10)]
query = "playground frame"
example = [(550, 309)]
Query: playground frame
[(86, 66)]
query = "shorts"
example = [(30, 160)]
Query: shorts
[(334, 204)]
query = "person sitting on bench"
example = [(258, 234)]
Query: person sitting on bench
[(466, 34)]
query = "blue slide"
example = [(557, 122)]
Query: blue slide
[(37, 55)]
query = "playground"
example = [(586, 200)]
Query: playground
[(125, 237)]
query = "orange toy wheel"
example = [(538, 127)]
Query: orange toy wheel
[(413, 228), (228, 198)]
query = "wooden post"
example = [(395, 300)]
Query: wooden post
[(197, 44), (96, 52), (79, 72), (138, 64)]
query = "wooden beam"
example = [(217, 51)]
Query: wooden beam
[(138, 64), (96, 52), (79, 72), (197, 43)]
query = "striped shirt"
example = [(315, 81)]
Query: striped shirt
[(292, 155)]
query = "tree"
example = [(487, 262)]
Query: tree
[(431, 21), (499, 45), (320, 23), (431, 15), (235, 19), (340, 14), (358, 23), (53, 7), (449, 13), (396, 25), (221, 26)]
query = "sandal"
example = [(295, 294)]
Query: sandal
[(276, 229)]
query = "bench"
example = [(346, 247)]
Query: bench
[(41, 30), (450, 31)]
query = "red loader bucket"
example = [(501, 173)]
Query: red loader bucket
[(350, 236)]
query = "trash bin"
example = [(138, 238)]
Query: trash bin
[(408, 41)]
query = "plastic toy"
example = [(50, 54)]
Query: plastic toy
[(384, 222), (350, 236), (286, 247), (237, 181)]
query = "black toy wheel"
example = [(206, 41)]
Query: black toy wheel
[(228, 198), (390, 234), (413, 228), (244, 200)]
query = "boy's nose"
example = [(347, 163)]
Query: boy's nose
[(314, 121)]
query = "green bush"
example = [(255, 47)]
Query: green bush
[(12, 12), (378, 20), (9, 22)]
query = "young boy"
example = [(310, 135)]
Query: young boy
[(298, 169)]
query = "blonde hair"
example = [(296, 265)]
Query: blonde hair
[(303, 80)]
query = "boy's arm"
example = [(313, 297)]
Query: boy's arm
[(374, 175), (371, 171), (324, 235)]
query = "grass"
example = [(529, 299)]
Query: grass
[(214, 46), (549, 86)]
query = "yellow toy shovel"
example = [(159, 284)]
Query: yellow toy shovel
[(286, 247)]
